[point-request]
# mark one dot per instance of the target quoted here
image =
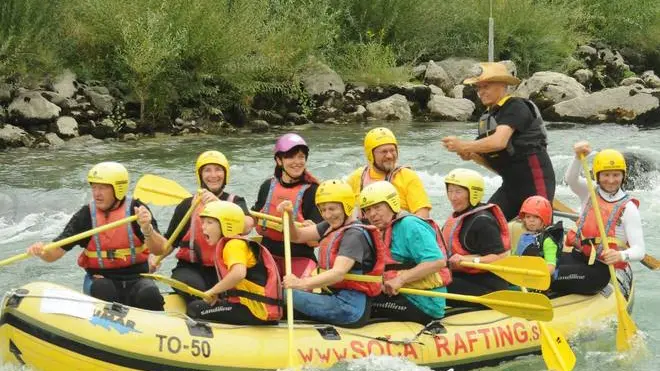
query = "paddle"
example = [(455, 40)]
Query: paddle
[(562, 209), (289, 292), (556, 352), (626, 328), (179, 228), (181, 286), (68, 240), (524, 271), (531, 306), (159, 191), (272, 218)]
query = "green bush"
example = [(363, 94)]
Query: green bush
[(372, 63)]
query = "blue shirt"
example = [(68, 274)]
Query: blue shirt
[(413, 241)]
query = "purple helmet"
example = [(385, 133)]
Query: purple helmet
[(288, 141)]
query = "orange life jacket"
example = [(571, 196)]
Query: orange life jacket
[(276, 194), (587, 227), (263, 274), (366, 179), (193, 247), (391, 265), (452, 229), (329, 248), (116, 248)]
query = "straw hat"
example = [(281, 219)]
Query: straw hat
[(493, 72)]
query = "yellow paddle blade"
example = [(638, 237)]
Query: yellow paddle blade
[(626, 329), (177, 285), (159, 191), (560, 206), (530, 306), (524, 271), (556, 351)]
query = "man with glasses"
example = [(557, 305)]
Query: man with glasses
[(512, 140), (382, 152)]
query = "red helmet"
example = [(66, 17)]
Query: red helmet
[(539, 206)]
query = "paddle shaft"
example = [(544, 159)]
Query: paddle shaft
[(504, 269), (626, 327), (179, 228), (68, 240), (289, 292), (272, 218)]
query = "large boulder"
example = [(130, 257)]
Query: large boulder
[(53, 140), (418, 93), (30, 107), (458, 69), (65, 84), (452, 109), (625, 104), (584, 76), (106, 128), (651, 79), (103, 102), (437, 75), (393, 108), (12, 136), (320, 79), (66, 127), (547, 88)]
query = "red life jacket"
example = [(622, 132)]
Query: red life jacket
[(276, 194), (366, 179), (193, 245), (587, 227), (452, 229), (329, 248), (391, 265), (115, 248), (263, 274)]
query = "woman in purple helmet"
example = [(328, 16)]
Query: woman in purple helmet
[(292, 182)]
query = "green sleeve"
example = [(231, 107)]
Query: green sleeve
[(550, 251)]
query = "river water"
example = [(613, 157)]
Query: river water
[(41, 189)]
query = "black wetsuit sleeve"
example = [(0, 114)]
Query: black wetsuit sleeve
[(309, 209), (179, 212), (322, 227), (136, 226), (481, 234), (261, 196), (516, 114), (80, 222)]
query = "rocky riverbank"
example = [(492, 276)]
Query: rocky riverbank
[(599, 87)]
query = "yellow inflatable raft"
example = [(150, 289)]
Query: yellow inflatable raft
[(50, 327)]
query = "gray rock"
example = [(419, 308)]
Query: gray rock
[(457, 92), (129, 137), (393, 108), (319, 79), (66, 127), (106, 128), (5, 93), (359, 115), (12, 136), (587, 51), (651, 79), (458, 69), (65, 84), (297, 118), (436, 90), (259, 126), (547, 88), (625, 104), (271, 117), (30, 107), (436, 75), (100, 89), (419, 71), (55, 98), (628, 81), (418, 93), (129, 125), (452, 109), (103, 102), (54, 140), (584, 76), (510, 67)]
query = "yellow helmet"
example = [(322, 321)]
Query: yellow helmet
[(609, 159), (469, 179), (112, 173), (230, 216), (211, 157), (377, 137), (381, 191), (336, 191)]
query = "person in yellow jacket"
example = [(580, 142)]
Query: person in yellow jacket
[(382, 152), (248, 277)]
